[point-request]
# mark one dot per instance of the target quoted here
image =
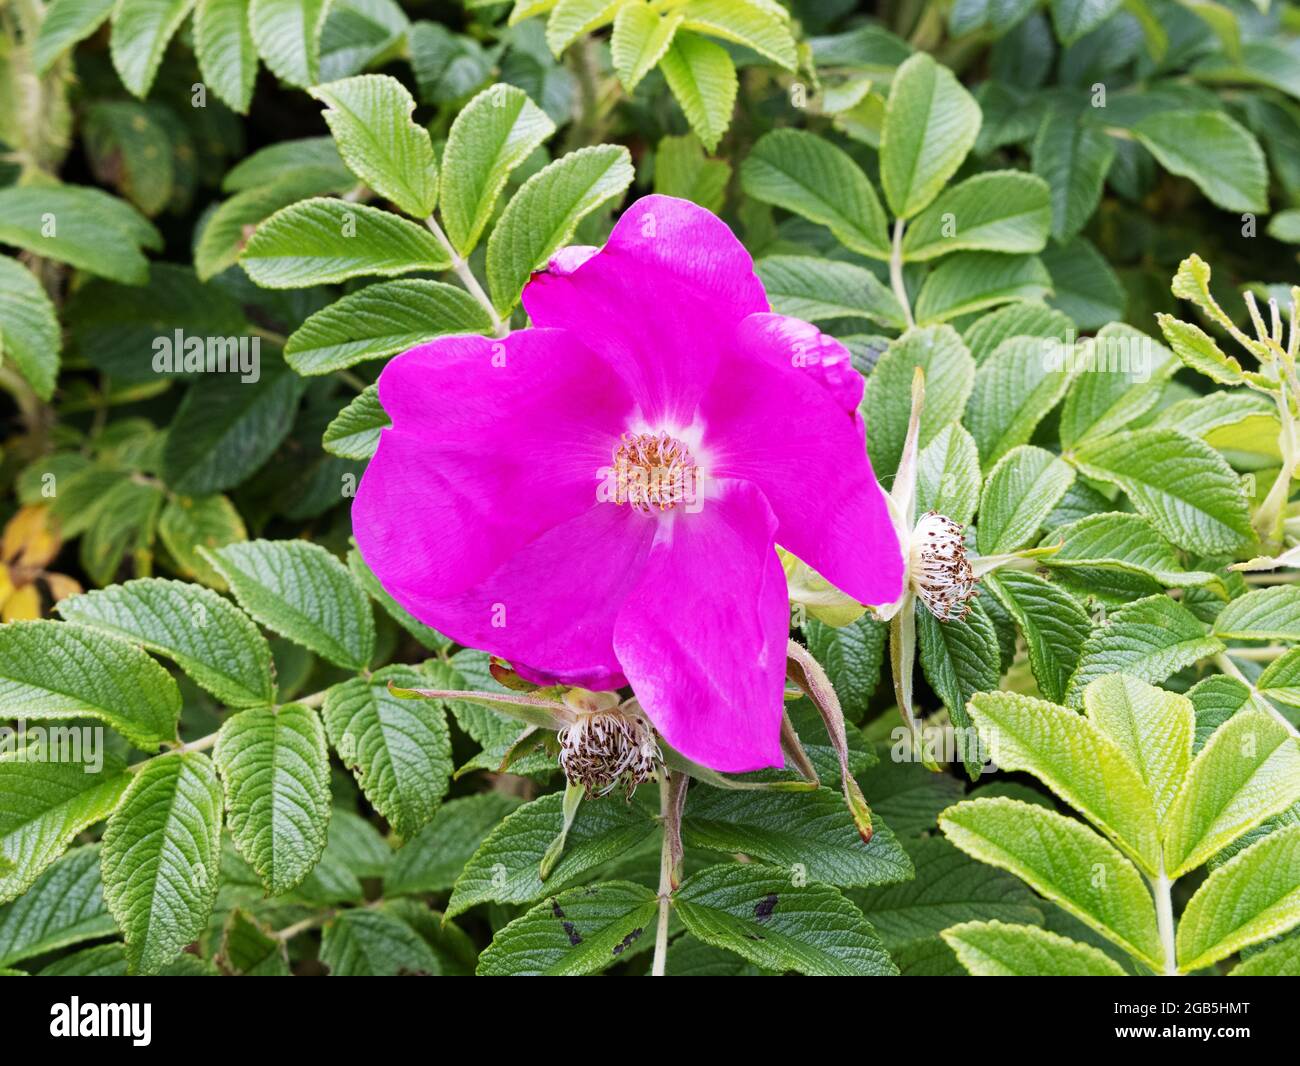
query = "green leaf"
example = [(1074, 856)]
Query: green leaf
[(1077, 760), (1280, 680), (287, 34), (59, 670), (1054, 624), (1021, 319), (30, 337), (886, 404), (948, 475), (276, 773), (1262, 614), (186, 525), (640, 39), (1077, 18), (387, 317), (581, 931), (302, 592), (683, 170), (570, 19), (65, 905), (1248, 771), (810, 830), (505, 867), (1155, 730), (44, 805), (1001, 211), (1015, 389), (162, 856), (1073, 158), (399, 749), (141, 31), (354, 432), (1179, 482), (995, 949), (430, 638), (1149, 638), (1125, 542), (223, 44), (1198, 350), (369, 943), (65, 23), (83, 227), (1253, 896), (1124, 382), (370, 117), (806, 287), (493, 134), (1019, 494), (960, 657), (130, 148), (702, 77), (758, 913), (1220, 156), (972, 281), (224, 430), (542, 215), (1216, 699), (760, 26), (251, 950), (1279, 960), (432, 859), (303, 158), (322, 241), (803, 173), (852, 656), (931, 122), (1083, 284), (205, 635), (1065, 861)]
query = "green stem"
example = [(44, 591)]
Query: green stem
[(660, 965), (896, 274), (467, 278), (1224, 663), (1162, 889)]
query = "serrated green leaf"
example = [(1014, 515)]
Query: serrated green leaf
[(1185, 487), (186, 525), (432, 859), (1280, 960), (205, 635), (995, 949), (803, 173), (354, 432), (141, 31), (505, 867), (1020, 319), (758, 913), (960, 657), (275, 769), (640, 39), (250, 949), (570, 19), (971, 281), (302, 592), (1198, 350), (1122, 383), (321, 241), (542, 215), (1261, 614), (683, 170), (64, 906), (161, 858), (581, 931), (703, 78), (1248, 771), (1073, 159), (1083, 284), (948, 475), (1002, 211), (1253, 896), (804, 286), (852, 656), (1121, 541), (811, 830), (223, 44), (30, 337), (1218, 154), (1021, 490), (60, 670), (1065, 861), (399, 749), (65, 23), (1216, 699), (1015, 389), (758, 25), (387, 317), (287, 34), (369, 943), (940, 353), (931, 122), (1054, 624), (370, 117), (301, 158)]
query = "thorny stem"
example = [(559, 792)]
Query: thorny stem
[(1161, 888), (896, 273), (1225, 663), (467, 278)]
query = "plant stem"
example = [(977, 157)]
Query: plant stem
[(1161, 887), (896, 273), (665, 878), (467, 278), (1225, 663)]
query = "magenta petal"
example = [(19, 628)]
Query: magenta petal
[(660, 301), (702, 638), (779, 415), (492, 443), (550, 609)]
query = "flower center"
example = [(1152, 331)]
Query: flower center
[(939, 571), (654, 471)]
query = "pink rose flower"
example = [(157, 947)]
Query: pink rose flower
[(598, 499)]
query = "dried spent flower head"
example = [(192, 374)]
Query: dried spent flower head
[(940, 573), (605, 748)]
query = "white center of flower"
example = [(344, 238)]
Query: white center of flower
[(654, 472), (938, 569)]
